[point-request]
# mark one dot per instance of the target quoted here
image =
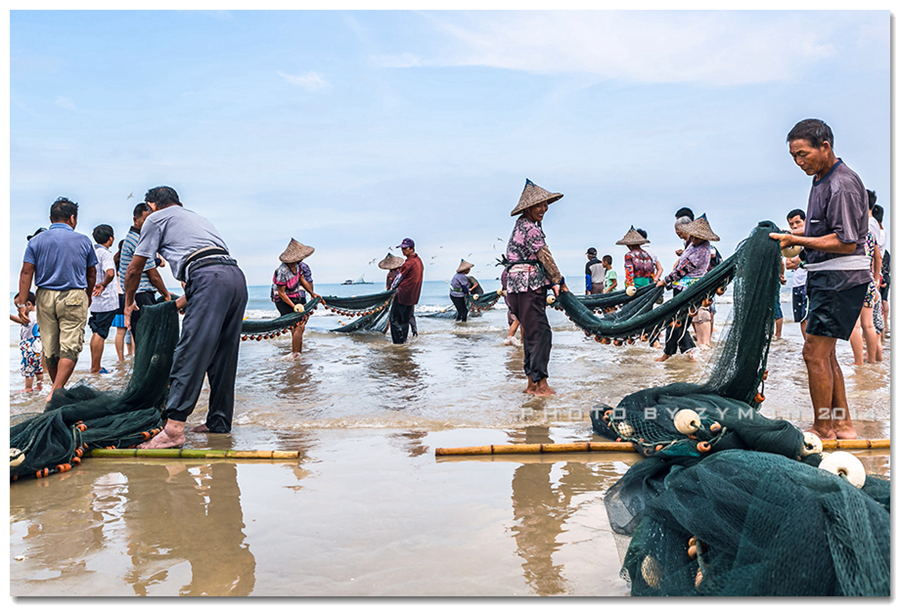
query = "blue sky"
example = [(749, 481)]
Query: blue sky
[(350, 130)]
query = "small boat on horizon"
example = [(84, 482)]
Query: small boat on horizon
[(360, 280)]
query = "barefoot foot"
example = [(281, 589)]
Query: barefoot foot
[(822, 434), (163, 440), (200, 428)]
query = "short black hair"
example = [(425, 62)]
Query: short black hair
[(642, 232), (814, 131), (872, 198), (140, 209), (102, 234), (31, 298), (685, 212), (162, 197), (878, 213), (796, 212), (62, 210), (607, 259)]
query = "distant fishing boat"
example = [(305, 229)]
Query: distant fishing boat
[(360, 280)]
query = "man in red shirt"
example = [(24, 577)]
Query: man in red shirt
[(408, 285)]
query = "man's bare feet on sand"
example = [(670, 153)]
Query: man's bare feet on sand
[(542, 389), (531, 387), (200, 428), (664, 357), (172, 436)]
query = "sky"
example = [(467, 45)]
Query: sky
[(351, 130)]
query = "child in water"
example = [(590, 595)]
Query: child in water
[(30, 346)]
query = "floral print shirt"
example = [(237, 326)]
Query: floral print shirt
[(526, 239), (638, 264), (692, 265)]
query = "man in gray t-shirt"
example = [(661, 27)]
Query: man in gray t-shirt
[(838, 270), (215, 295)]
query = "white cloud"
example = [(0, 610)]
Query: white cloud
[(311, 81), (707, 47), (64, 102)]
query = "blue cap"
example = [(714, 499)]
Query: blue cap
[(407, 243)]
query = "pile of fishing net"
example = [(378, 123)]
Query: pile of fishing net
[(727, 501), (82, 418), (475, 303)]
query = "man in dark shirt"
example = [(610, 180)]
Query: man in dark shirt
[(594, 274), (408, 285), (838, 269)]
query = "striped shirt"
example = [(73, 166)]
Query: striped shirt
[(125, 258)]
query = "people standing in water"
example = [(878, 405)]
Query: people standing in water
[(408, 285), (639, 264), (610, 281), (459, 288), (290, 283), (838, 270), (215, 295), (692, 265), (531, 271), (594, 273)]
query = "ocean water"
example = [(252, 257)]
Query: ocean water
[(368, 509)]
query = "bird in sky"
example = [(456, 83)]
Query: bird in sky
[(130, 195)]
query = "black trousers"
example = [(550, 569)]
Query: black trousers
[(141, 299), (210, 338), (679, 338), (537, 338), (400, 315), (462, 310)]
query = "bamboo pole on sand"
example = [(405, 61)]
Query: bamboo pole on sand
[(182, 453), (624, 446)]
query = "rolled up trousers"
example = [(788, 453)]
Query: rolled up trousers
[(530, 307)]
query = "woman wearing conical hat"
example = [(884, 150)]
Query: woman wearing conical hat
[(692, 265), (532, 271), (639, 264), (459, 288), (392, 264), (290, 283)]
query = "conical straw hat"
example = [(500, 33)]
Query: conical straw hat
[(699, 228), (464, 266), (295, 252), (390, 262), (533, 195), (633, 238)]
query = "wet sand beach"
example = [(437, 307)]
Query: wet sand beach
[(367, 509)]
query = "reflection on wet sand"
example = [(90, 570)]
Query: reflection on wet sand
[(543, 501), (208, 498)]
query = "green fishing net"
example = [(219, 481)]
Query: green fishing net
[(82, 418), (273, 327), (727, 501)]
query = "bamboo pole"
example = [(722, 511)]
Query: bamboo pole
[(182, 453), (624, 446)]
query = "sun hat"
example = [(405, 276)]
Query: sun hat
[(295, 252), (633, 238), (407, 243), (464, 266), (699, 228), (390, 262), (533, 195)]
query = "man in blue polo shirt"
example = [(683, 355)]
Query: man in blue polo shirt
[(62, 264), (838, 270)]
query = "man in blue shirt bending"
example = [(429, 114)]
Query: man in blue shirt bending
[(62, 264)]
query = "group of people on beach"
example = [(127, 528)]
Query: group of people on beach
[(838, 287)]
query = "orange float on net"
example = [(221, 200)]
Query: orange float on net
[(617, 342), (759, 398), (765, 374), (78, 451), (703, 446), (720, 290), (692, 551), (715, 427), (76, 461)]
